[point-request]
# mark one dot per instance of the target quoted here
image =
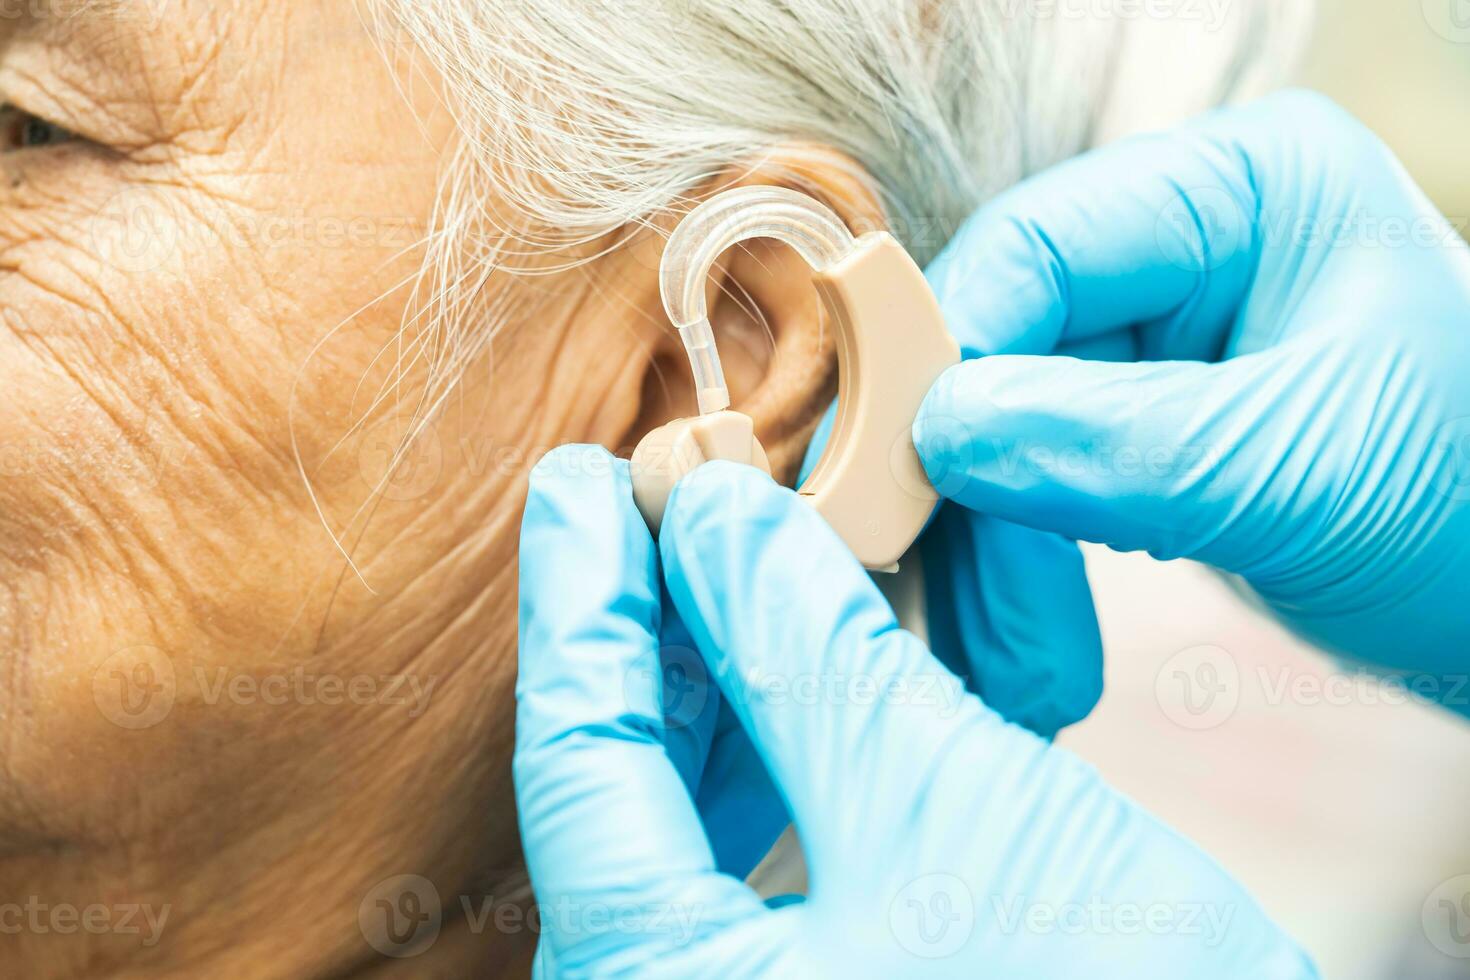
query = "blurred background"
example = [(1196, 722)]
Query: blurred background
[(1403, 66), (1340, 802)]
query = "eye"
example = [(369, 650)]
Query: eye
[(20, 130)]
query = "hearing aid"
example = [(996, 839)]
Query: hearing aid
[(891, 346)]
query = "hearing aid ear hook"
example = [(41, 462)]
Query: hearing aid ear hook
[(891, 345)]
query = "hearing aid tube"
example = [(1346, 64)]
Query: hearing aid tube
[(809, 227)]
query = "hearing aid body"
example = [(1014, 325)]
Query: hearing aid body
[(891, 346)]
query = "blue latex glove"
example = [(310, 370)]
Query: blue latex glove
[(1033, 654), (941, 841), (1270, 330)]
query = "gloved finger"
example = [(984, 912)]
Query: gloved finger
[(1123, 236), (690, 700), (1034, 654), (605, 817), (1010, 608), (1164, 457), (741, 807), (804, 647), (1117, 346), (737, 803), (1159, 232), (741, 811)]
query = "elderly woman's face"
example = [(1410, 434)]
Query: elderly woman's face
[(196, 688), (252, 666)]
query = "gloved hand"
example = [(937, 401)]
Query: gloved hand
[(1269, 330), (941, 841), (1033, 654)]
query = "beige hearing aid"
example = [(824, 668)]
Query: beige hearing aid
[(891, 346)]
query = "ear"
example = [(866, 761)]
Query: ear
[(778, 353)]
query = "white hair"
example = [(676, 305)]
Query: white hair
[(580, 118), (585, 115)]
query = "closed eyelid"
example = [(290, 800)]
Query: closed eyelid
[(58, 99), (86, 65), (145, 93)]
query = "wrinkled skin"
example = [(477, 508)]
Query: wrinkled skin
[(205, 712)]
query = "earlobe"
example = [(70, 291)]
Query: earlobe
[(778, 352)]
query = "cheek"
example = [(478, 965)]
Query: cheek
[(164, 332), (148, 484), (80, 448), (154, 526), (89, 342), (109, 378)]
